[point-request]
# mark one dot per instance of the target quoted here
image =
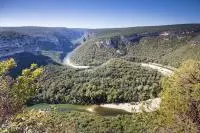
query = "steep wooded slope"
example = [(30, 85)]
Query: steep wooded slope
[(140, 44)]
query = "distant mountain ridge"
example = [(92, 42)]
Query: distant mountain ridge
[(148, 43), (37, 40)]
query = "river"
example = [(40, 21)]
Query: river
[(95, 109), (113, 108)]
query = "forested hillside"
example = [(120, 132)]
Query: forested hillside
[(117, 81), (142, 44)]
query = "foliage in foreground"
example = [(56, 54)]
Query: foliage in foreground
[(35, 121), (79, 122), (15, 92), (180, 107)]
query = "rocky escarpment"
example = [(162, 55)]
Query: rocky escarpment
[(118, 42), (37, 39), (14, 42)]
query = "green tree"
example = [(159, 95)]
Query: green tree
[(6, 108), (15, 92)]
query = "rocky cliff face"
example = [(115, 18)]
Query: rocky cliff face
[(37, 39), (13, 42), (118, 42)]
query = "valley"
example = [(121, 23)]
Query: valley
[(52, 42), (121, 47), (122, 79)]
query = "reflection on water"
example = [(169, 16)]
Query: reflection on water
[(81, 108), (108, 111)]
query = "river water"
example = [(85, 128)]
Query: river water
[(95, 109)]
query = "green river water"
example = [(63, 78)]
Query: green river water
[(96, 109)]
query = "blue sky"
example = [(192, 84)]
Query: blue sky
[(98, 13)]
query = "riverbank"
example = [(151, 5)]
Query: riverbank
[(160, 68), (69, 63), (147, 106)]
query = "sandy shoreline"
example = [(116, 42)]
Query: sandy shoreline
[(162, 69), (148, 105)]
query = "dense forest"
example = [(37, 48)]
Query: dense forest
[(116, 81)]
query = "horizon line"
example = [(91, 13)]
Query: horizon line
[(18, 26)]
